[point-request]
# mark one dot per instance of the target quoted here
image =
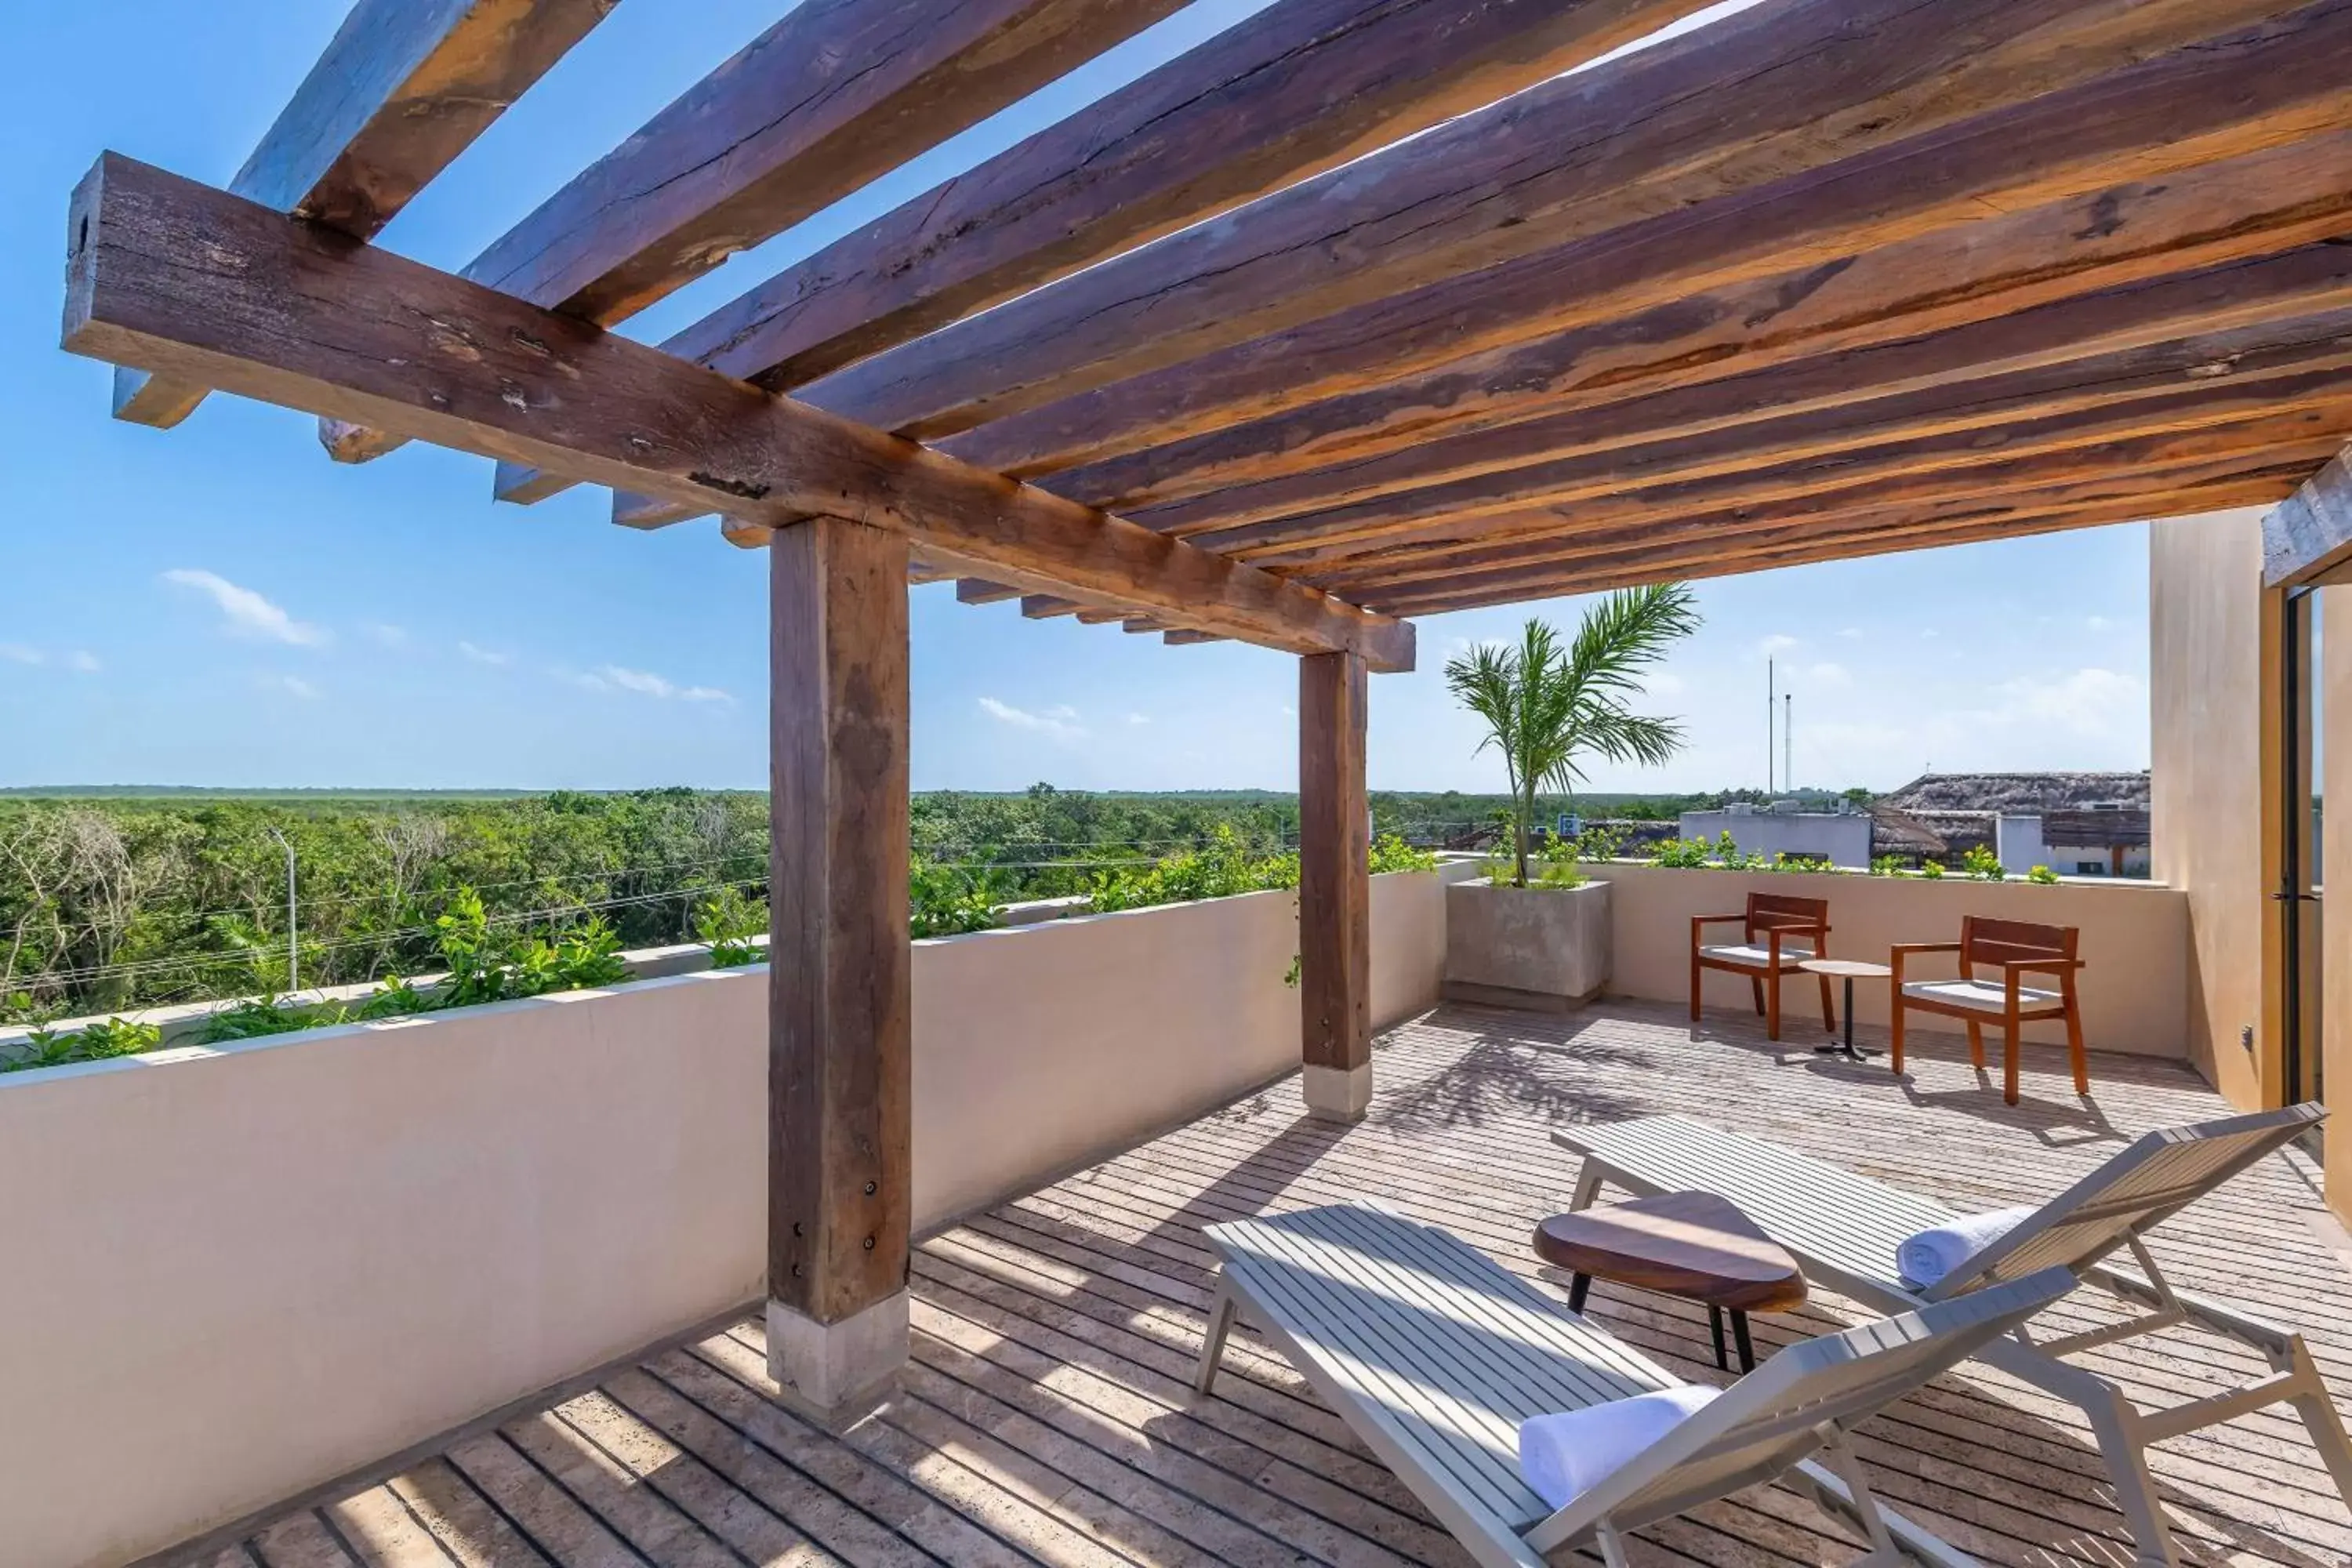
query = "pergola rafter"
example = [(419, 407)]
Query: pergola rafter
[(1265, 346)]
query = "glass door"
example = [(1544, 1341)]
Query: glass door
[(2302, 737)]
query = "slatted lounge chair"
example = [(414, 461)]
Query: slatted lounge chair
[(1434, 1354), (1844, 1229)]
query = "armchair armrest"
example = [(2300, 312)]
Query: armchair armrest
[(1906, 950), (2041, 965)]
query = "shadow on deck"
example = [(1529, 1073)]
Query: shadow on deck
[(1048, 1416)]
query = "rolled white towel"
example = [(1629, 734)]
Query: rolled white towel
[(1924, 1259), (1563, 1456)]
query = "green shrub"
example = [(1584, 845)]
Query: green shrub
[(1390, 853), (944, 902), (1932, 870), (91, 1043), (1982, 864), (251, 1020), (1683, 854), (1888, 866), (2043, 876), (727, 923)]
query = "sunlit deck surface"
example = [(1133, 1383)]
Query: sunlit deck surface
[(1048, 1416)]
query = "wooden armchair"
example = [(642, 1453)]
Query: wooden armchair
[(1778, 933), (2013, 950)]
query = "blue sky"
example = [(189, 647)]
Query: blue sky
[(220, 605)]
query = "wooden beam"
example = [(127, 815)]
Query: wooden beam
[(1669, 518), (2250, 480), (1045, 606), (2080, 445), (1738, 106), (1335, 889), (840, 971), (1287, 93), (167, 274), (1346, 389), (1693, 434), (2307, 537), (401, 89), (1185, 637), (1594, 578), (978, 591), (837, 94), (1508, 466)]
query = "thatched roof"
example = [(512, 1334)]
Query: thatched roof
[(1894, 831), (2020, 793)]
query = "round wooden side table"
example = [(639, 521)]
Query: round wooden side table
[(1849, 970), (1694, 1246)]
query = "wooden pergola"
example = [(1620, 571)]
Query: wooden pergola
[(1359, 310)]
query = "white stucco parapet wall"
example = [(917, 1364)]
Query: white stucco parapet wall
[(241, 1271), (2135, 943)]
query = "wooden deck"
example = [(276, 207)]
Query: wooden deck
[(1048, 1418)]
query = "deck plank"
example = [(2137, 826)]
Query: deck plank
[(1048, 1417)]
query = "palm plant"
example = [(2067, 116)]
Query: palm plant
[(1546, 709)]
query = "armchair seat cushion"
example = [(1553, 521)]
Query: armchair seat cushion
[(1980, 996), (1756, 956)]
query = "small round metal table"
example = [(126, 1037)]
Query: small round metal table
[(1848, 970)]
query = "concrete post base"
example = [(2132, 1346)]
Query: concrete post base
[(1337, 1094), (836, 1374)]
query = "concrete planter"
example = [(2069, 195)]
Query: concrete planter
[(1542, 948)]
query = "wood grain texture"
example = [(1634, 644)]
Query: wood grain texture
[(1335, 884), (2308, 536), (166, 275), (402, 89), (1671, 523), (2016, 517), (1737, 106), (1964, 465), (1704, 431), (1695, 1245), (1345, 389), (1280, 96), (1055, 1337), (837, 93), (840, 974)]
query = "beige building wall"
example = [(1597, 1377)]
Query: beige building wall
[(2135, 942), (235, 1272), (2206, 625), (2336, 872)]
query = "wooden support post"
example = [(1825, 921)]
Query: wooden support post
[(839, 997), (1334, 888)]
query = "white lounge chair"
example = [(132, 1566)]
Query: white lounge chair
[(1435, 1355), (1845, 1230)]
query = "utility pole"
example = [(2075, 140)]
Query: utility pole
[(1788, 741), (1771, 689), (293, 941)]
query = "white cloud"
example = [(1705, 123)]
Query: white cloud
[(480, 655), (1779, 643), (1664, 683), (1061, 723), (1828, 673), (387, 633), (292, 685), (1138, 717), (645, 683), (17, 653), (84, 662), (247, 613), (2088, 701), (2102, 623), (1851, 632)]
